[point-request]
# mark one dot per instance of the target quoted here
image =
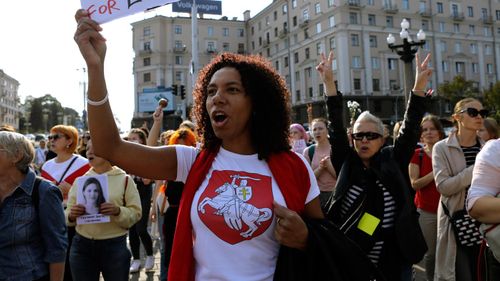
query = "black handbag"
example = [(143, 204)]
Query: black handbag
[(466, 228)]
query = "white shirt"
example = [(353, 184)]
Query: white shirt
[(233, 217)]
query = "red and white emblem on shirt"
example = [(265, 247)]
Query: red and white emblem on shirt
[(237, 206)]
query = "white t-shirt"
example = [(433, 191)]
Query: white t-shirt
[(233, 217), (486, 174)]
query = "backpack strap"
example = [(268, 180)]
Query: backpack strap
[(311, 151), (125, 190), (65, 171)]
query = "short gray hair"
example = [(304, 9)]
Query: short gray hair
[(17, 145), (366, 116)]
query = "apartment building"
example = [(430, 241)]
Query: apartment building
[(461, 35), (10, 111)]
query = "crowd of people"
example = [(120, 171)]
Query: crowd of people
[(237, 197)]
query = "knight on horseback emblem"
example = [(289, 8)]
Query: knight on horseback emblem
[(231, 203)]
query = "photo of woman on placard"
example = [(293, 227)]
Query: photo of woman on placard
[(92, 195)]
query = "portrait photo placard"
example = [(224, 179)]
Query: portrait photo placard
[(92, 192)]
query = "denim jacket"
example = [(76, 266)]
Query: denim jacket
[(29, 242)]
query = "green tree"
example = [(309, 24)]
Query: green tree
[(458, 89), (492, 100)]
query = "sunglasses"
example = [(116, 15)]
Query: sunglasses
[(472, 112), (367, 135), (54, 137)]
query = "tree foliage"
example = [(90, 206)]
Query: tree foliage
[(492, 100), (458, 89), (46, 112)]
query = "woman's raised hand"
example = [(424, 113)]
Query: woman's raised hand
[(422, 75), (89, 39), (326, 73)]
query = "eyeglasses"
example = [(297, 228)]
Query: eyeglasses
[(54, 137), (367, 135), (472, 112)]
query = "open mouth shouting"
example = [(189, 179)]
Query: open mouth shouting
[(219, 118)]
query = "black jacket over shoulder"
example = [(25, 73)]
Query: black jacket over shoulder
[(389, 165)]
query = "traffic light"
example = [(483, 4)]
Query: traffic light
[(183, 92), (174, 90)]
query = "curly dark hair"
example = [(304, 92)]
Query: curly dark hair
[(270, 98)]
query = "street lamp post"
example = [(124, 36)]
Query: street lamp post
[(406, 52)]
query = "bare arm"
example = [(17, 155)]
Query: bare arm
[(134, 158), (418, 182), (56, 271), (486, 210), (154, 133)]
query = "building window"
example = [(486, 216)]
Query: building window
[(296, 57), (317, 8), (456, 28), (442, 26), (210, 31), (458, 47), (497, 13), (405, 5), (332, 43), (375, 63), (275, 15), (444, 65), (487, 50), (440, 7), (275, 32), (225, 32), (425, 25), (285, 61), (294, 21), (225, 47), (371, 20), (178, 44), (319, 48), (353, 18), (318, 28), (147, 77), (211, 46), (178, 60), (147, 46), (331, 21), (307, 53), (472, 29), (389, 21), (284, 9), (147, 31), (470, 11), (178, 76), (373, 41), (393, 84), (473, 48), (331, 3), (305, 14), (357, 84), (334, 64), (310, 90), (267, 21), (392, 64), (486, 31), (297, 95), (370, 2), (241, 32), (356, 62), (475, 67), (307, 72), (489, 68), (294, 4), (306, 33), (146, 61), (178, 29), (443, 46), (376, 85), (277, 65), (354, 40), (459, 67)]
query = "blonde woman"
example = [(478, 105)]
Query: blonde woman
[(452, 162)]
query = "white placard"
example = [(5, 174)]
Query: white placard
[(106, 10), (92, 192)]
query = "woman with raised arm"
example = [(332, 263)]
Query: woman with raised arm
[(372, 202), (232, 215)]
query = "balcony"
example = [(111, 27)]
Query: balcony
[(303, 22), (180, 49), (487, 19), (145, 51), (390, 8), (457, 16), (283, 33), (426, 12), (353, 3)]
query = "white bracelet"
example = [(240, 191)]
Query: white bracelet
[(97, 103)]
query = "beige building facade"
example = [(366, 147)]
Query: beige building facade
[(462, 36), (10, 111)]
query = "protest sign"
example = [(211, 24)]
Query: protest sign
[(106, 10), (92, 192)]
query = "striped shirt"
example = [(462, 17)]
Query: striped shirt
[(351, 200), (470, 153)]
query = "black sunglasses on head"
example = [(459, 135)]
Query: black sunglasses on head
[(367, 135), (472, 112), (54, 137)]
